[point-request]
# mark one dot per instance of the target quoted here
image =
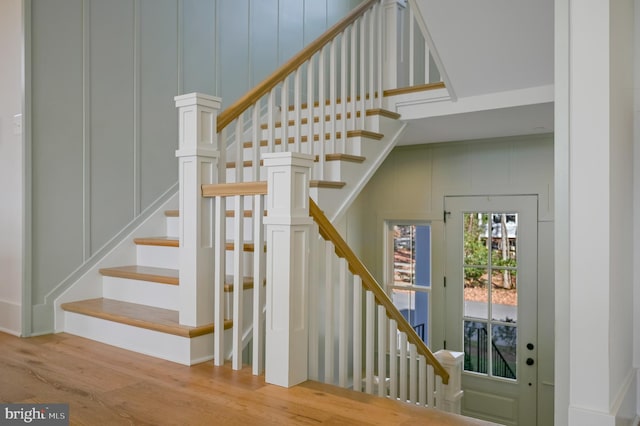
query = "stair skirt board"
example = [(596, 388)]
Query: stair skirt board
[(182, 350), (142, 292)]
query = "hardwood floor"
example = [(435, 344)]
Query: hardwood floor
[(109, 386)]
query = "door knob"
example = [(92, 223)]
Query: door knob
[(530, 361)]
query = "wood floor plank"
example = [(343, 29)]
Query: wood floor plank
[(106, 385)]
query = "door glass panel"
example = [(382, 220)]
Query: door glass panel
[(490, 241), (475, 346), (503, 351), (476, 293), (504, 295)]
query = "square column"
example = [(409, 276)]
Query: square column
[(287, 230), (198, 155)]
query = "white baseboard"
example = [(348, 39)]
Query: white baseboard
[(10, 318)]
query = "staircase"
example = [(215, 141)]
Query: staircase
[(317, 127)]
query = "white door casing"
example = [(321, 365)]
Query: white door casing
[(490, 392)]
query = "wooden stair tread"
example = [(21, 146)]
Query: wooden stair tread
[(158, 241), (230, 213), (328, 157), (147, 317), (316, 119), (364, 134), (345, 157), (172, 213), (326, 184), (143, 273), (291, 140), (414, 89)]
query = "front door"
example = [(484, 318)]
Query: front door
[(491, 303)]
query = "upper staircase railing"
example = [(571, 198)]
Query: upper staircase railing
[(325, 91)]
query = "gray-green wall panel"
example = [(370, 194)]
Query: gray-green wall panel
[(159, 65), (57, 159), (198, 47), (111, 120)]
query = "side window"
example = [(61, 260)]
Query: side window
[(408, 273)]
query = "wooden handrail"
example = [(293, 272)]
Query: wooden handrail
[(330, 233), (242, 104), (229, 189)]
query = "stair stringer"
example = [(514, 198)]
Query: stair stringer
[(335, 203), (90, 284)]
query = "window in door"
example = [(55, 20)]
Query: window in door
[(490, 293), (408, 276)]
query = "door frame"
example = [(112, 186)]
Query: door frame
[(527, 382)]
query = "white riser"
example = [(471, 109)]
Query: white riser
[(160, 345), (142, 292), (158, 256), (173, 227)]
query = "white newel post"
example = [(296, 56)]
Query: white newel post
[(198, 155), (287, 229), (390, 44), (452, 362)]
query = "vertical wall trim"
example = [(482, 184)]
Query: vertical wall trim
[(250, 81), (180, 41), (216, 43), (27, 189), (137, 160), (86, 129)]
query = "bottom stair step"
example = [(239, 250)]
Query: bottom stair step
[(141, 328), (151, 318)]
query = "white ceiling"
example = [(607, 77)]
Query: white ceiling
[(490, 46)]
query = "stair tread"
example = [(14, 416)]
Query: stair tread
[(158, 241), (326, 184), (172, 213), (148, 317), (162, 275), (230, 213), (143, 273), (328, 157)]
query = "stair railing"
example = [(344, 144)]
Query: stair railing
[(245, 250), (397, 363)]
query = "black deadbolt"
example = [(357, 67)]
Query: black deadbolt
[(530, 346), (530, 361)]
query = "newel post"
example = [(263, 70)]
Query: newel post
[(198, 155), (287, 230), (452, 392)]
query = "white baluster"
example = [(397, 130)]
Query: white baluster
[(271, 121), (353, 78), (284, 116), (383, 331), (376, 101), (363, 69), (322, 87), (393, 359), (310, 101), (340, 141), (430, 386), (343, 337), (333, 101), (422, 380), (369, 341), (258, 284), (413, 374), (239, 175), (412, 48), (403, 366), (328, 329), (255, 148), (357, 333), (219, 266), (238, 282), (297, 113)]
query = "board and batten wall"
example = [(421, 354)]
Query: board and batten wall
[(411, 185), (11, 167), (101, 77)]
